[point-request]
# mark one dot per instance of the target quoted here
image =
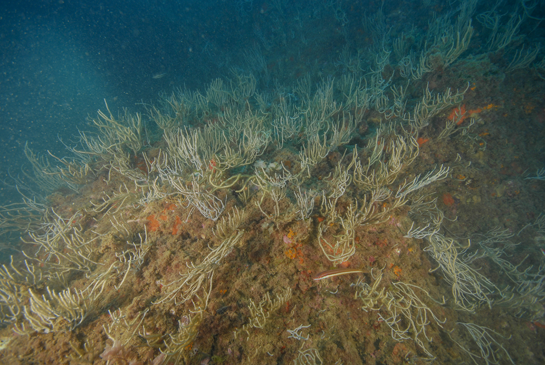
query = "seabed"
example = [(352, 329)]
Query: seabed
[(384, 210)]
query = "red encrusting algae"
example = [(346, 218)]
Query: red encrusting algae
[(448, 200), (177, 223), (153, 224)]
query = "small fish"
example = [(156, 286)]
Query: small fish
[(159, 76), (335, 272)]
